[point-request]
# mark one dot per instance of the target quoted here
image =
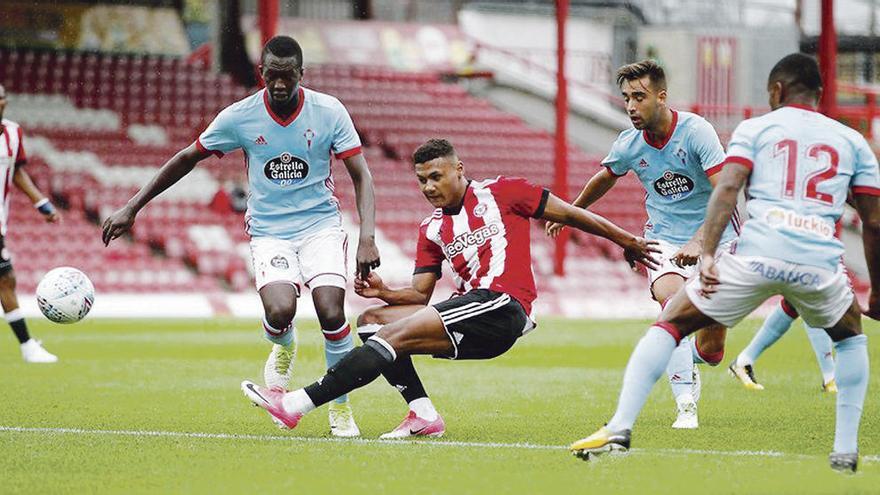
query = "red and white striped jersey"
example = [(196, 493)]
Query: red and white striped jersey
[(486, 241), (11, 155)]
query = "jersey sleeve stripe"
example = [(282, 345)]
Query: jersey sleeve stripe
[(428, 269), (871, 191), (201, 147), (608, 167), (739, 160), (348, 153), (539, 211), (714, 170)]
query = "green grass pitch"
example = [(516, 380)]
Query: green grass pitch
[(155, 406)]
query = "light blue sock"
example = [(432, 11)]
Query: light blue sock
[(852, 383), (334, 351), (681, 370), (646, 365), (283, 337), (822, 343), (773, 329)]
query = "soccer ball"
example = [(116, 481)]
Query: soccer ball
[(65, 295)]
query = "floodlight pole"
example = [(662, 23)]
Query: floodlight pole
[(560, 180), (268, 12), (828, 60)]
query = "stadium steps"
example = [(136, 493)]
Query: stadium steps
[(153, 106)]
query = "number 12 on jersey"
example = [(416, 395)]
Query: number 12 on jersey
[(788, 150)]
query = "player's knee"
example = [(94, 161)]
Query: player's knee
[(365, 328), (369, 322), (331, 318), (711, 354), (394, 336), (371, 316), (279, 315)]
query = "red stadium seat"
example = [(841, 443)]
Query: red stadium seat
[(388, 108)]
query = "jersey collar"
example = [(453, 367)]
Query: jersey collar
[(299, 106), (455, 210), (802, 107), (661, 144)]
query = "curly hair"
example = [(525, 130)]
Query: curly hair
[(433, 148), (283, 47)]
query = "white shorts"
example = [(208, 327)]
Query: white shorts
[(667, 251), (820, 296), (317, 260)]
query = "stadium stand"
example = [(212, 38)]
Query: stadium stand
[(99, 125)]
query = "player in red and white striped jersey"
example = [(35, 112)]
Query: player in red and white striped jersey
[(481, 228), (12, 160)]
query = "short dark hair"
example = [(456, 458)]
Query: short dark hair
[(282, 46), (638, 70), (433, 148), (799, 72)]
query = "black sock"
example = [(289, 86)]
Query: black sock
[(19, 328), (401, 374), (358, 368)]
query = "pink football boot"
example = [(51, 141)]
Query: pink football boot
[(270, 400), (414, 426)]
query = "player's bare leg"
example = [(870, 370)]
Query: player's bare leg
[(329, 305), (709, 344), (649, 359), (420, 333), (422, 418), (31, 350), (851, 376), (684, 378), (385, 314), (279, 306)]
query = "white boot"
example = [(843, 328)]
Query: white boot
[(279, 366), (32, 351), (687, 413)]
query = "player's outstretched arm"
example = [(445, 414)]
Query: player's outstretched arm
[(367, 253), (418, 293), (596, 187), (174, 169), (868, 207), (721, 206), (635, 248), (23, 181), (722, 203)]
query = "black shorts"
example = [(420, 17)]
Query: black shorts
[(5, 258), (482, 324)]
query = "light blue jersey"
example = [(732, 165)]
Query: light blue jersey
[(803, 165), (291, 190), (675, 175)]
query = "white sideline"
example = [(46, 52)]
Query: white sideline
[(430, 443)]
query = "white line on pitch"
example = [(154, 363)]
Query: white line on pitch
[(282, 438), (432, 443)]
